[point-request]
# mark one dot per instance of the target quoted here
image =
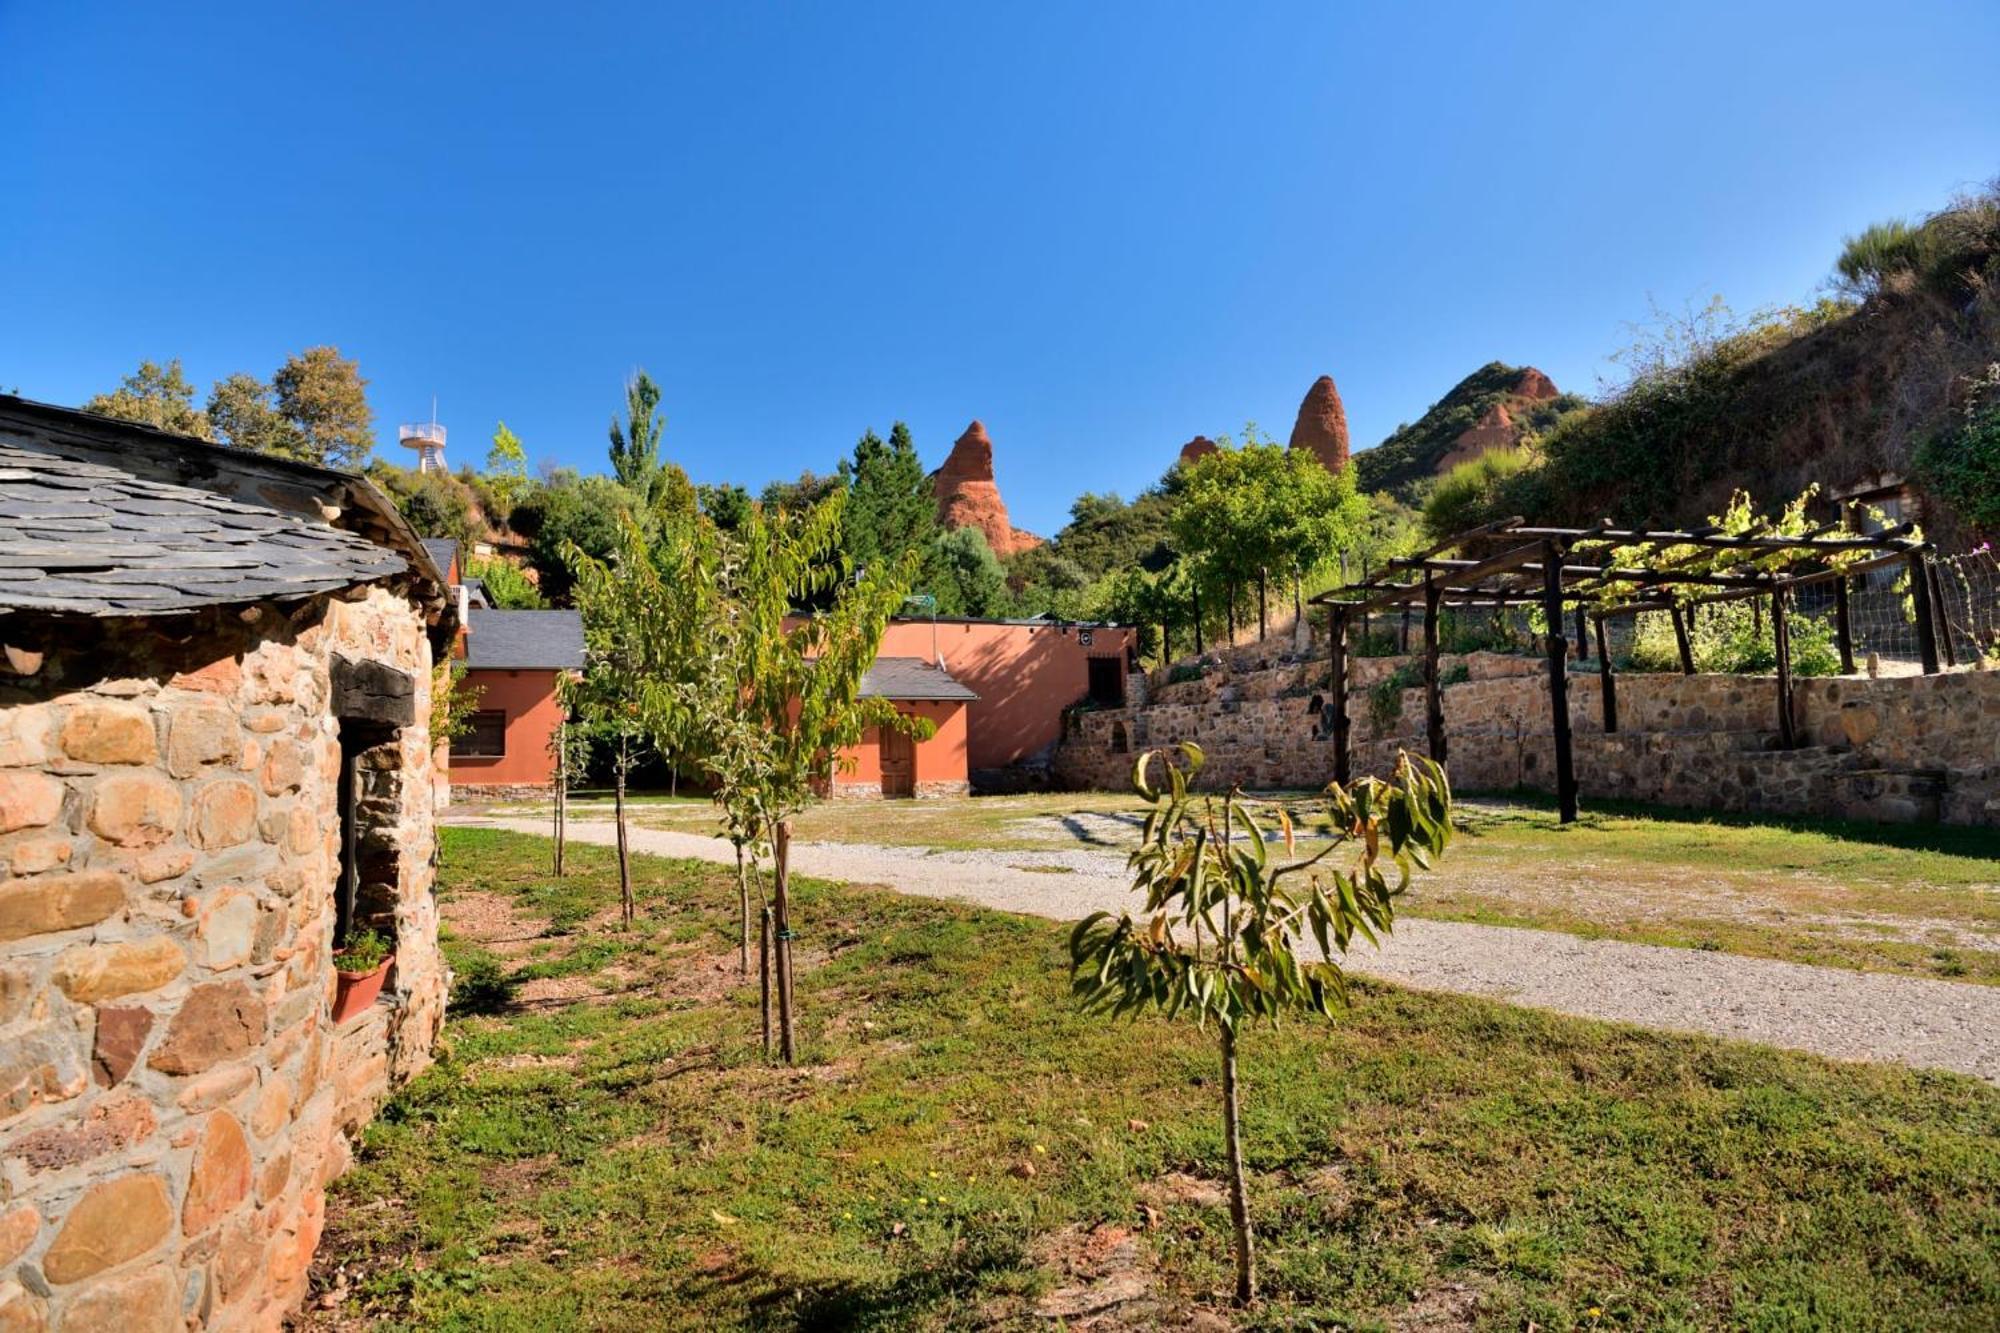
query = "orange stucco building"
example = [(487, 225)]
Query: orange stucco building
[(888, 763), (1026, 674), (513, 660)]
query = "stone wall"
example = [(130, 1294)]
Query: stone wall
[(1900, 748), (173, 1094)]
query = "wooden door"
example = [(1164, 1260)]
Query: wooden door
[(899, 763)]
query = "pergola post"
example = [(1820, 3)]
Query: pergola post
[(1607, 683), (1336, 629), (1199, 649), (1920, 600), (1681, 639), (1582, 639), (1433, 704), (1939, 618), (1843, 627), (1558, 681), (1781, 640), (1364, 610), (1403, 640)]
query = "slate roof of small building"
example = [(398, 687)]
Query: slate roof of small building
[(88, 528), (524, 641), (910, 678), (443, 551)]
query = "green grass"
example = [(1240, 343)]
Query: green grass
[(1909, 899), (627, 1159)]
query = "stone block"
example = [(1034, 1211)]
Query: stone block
[(228, 929), (32, 856), (50, 903), (28, 800), (147, 1302), (121, 1036), (21, 1311), (135, 809), (199, 734), (114, 1222), (107, 731), (224, 815), (220, 1178), (88, 973), (18, 1228), (109, 1126), (216, 1022)]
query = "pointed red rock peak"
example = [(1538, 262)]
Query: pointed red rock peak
[(1534, 384), (1322, 424), (968, 497), (1199, 447)]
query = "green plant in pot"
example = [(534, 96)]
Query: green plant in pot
[(360, 965)]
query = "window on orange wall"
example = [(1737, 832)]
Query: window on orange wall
[(486, 738)]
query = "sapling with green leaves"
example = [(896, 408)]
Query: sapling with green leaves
[(1227, 932)]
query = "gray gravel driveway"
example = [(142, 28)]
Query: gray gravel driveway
[(1833, 1012)]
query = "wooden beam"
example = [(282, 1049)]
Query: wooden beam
[(1558, 684), (1433, 703), (1336, 627), (1781, 641), (1920, 600), (1607, 682), (1470, 534), (1884, 540)]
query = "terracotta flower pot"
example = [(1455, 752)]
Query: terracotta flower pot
[(355, 991)]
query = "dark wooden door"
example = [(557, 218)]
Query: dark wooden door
[(899, 764)]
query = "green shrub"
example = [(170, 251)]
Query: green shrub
[(1733, 638), (1385, 697), (1962, 464), (1883, 249), (479, 983), (1185, 671), (506, 586), (1496, 634), (1468, 494)]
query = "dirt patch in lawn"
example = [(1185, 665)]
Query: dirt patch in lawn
[(492, 921)]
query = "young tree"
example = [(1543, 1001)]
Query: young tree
[(322, 395), (1260, 510), (506, 467), (1223, 925), (156, 395), (961, 571), (797, 678)]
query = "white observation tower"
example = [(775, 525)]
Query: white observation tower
[(427, 440)]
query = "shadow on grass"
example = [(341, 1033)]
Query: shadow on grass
[(1948, 839)]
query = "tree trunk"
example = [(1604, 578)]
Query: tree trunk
[(562, 800), (781, 896), (1263, 581), (742, 915), (1199, 646), (764, 973), (1232, 615), (624, 855), (1239, 1202)]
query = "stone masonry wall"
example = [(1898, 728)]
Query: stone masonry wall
[(173, 1094), (1900, 748)]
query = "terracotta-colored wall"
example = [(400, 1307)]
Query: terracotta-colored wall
[(939, 760), (1024, 675), (529, 700)]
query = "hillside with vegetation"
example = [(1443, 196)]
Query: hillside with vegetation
[(1895, 375), (1494, 394)]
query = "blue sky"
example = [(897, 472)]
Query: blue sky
[(1102, 228)]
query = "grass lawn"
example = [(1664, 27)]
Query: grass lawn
[(606, 1148), (1891, 898)]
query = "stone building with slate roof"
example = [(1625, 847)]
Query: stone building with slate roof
[(215, 765)]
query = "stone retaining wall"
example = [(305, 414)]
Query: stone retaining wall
[(1900, 748), (173, 1094)]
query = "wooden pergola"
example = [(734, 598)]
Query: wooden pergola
[(1579, 570)]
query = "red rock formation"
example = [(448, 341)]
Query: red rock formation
[(1494, 430), (968, 498), (1322, 424), (1199, 447), (1535, 385)]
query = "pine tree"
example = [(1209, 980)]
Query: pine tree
[(890, 507)]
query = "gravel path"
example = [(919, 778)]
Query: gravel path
[(1829, 1011)]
